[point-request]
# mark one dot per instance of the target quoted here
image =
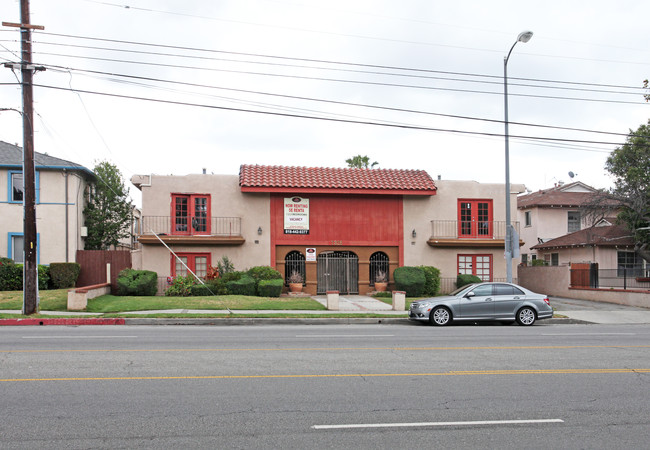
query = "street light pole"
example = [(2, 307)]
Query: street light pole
[(523, 37)]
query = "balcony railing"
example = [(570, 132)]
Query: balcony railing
[(455, 229), (215, 226)]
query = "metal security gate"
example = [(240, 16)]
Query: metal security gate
[(338, 271)]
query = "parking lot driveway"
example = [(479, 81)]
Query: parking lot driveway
[(600, 312)]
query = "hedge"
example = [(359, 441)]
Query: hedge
[(64, 275), (410, 280), (462, 280), (270, 288), (432, 280), (137, 282), (263, 273), (244, 286), (11, 276)]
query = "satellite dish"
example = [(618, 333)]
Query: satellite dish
[(571, 175)]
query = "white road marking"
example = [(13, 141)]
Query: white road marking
[(436, 424), (342, 335), (589, 334), (78, 337)]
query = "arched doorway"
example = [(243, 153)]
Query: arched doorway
[(379, 264), (338, 271), (294, 262)]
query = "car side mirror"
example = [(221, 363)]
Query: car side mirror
[(470, 294)]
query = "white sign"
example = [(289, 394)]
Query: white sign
[(296, 215), (311, 254)]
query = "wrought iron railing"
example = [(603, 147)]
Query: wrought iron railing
[(458, 229), (622, 278), (216, 226)]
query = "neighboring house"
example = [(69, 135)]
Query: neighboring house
[(337, 227), (551, 213), (610, 246), (60, 187)]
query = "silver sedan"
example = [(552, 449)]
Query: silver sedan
[(504, 302)]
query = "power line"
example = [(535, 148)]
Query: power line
[(297, 116), (386, 108), (375, 72)]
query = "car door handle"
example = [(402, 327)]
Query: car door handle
[(488, 299)]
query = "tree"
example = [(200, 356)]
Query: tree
[(361, 162), (630, 166), (109, 211)]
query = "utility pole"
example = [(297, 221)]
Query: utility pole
[(30, 268)]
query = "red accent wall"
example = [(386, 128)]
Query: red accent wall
[(343, 220)]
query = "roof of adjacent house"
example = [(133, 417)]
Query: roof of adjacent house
[(11, 156), (568, 195), (256, 178), (600, 236)]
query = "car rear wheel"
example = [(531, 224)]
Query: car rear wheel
[(526, 316), (440, 316)]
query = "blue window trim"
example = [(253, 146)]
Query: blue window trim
[(10, 192), (10, 245)]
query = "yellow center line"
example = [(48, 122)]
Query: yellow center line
[(347, 375), (299, 349)]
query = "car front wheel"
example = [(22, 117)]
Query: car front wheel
[(526, 316), (440, 316)]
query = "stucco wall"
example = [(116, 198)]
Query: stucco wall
[(420, 211), (51, 224), (555, 281), (227, 200)]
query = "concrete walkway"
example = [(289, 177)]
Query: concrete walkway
[(577, 310)]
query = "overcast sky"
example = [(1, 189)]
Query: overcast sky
[(413, 84)]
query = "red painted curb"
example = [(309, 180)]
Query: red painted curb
[(86, 321)]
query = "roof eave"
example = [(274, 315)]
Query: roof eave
[(304, 190)]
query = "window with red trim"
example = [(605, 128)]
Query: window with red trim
[(475, 219), (190, 214), (197, 263), (478, 265)]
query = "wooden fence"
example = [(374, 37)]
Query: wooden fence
[(93, 266)]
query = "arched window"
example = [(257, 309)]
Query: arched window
[(294, 262), (378, 267)]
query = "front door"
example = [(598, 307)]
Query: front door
[(338, 271)]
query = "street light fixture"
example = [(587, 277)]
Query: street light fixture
[(509, 246)]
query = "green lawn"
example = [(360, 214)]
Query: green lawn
[(56, 300)]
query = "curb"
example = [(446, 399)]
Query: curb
[(225, 321), (47, 321)]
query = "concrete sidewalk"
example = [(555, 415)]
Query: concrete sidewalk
[(576, 311)]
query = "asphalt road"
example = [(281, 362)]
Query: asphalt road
[(493, 386)]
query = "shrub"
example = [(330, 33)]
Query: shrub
[(244, 286), (11, 276), (410, 280), (64, 275), (137, 282), (181, 286), (225, 265), (539, 262), (232, 276), (201, 290), (263, 273), (432, 283), (270, 288), (218, 286), (43, 278), (462, 280)]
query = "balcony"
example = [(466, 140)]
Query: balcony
[(191, 231), (454, 233)]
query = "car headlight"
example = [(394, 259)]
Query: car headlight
[(424, 305)]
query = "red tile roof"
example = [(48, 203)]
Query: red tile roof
[(608, 236), (255, 178)]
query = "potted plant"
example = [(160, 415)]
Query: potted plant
[(381, 281), (295, 281)]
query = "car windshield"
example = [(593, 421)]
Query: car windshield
[(462, 289)]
